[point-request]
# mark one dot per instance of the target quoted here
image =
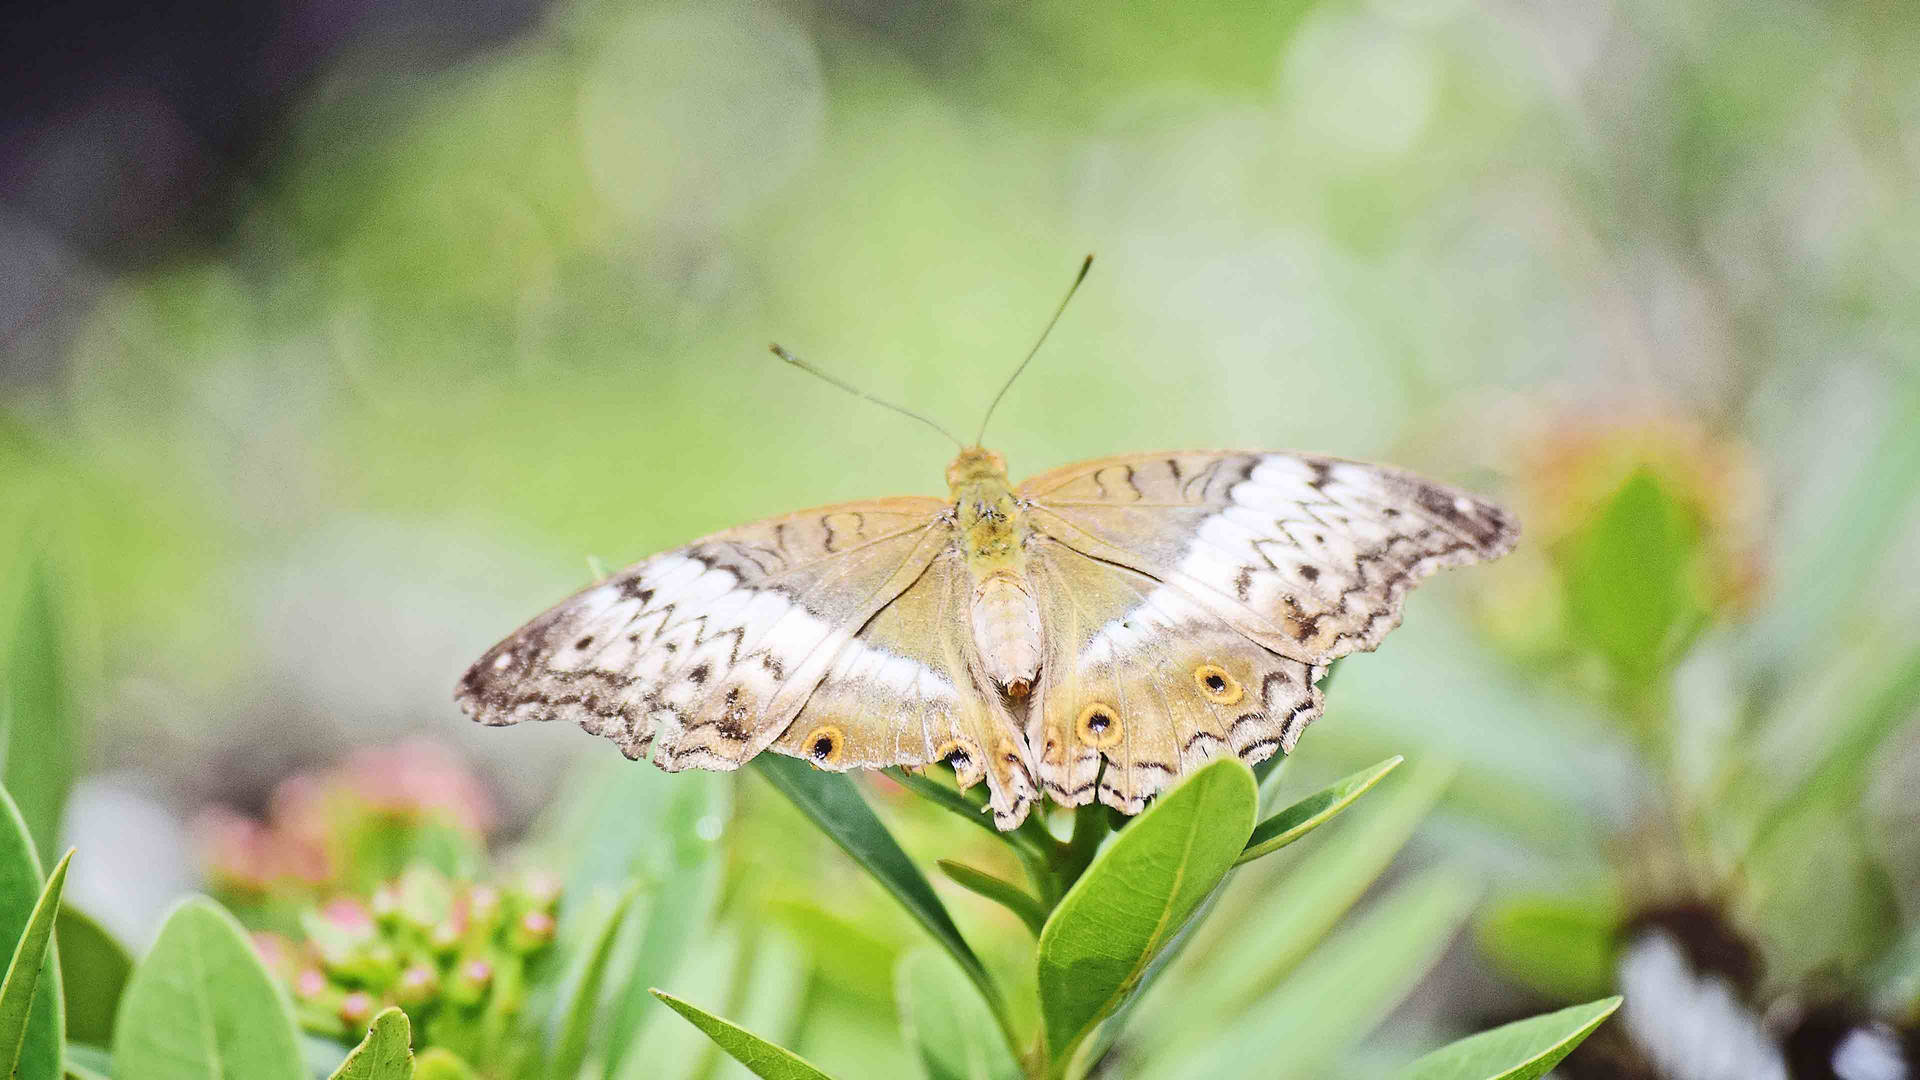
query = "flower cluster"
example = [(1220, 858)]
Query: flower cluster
[(344, 830), (454, 954)]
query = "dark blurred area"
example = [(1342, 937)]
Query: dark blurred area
[(138, 134)]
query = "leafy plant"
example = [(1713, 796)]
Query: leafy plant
[(1116, 901)]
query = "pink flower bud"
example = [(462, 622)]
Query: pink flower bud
[(417, 985), (310, 983)]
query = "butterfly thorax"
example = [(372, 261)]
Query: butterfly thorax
[(993, 531)]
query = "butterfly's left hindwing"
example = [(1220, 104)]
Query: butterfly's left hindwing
[(1142, 676), (702, 655), (1193, 599)]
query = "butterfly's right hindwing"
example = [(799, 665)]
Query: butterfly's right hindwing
[(911, 689)]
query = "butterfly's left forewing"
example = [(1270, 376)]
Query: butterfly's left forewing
[(1310, 556)]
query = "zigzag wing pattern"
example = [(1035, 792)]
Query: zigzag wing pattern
[(703, 654), (1311, 557)]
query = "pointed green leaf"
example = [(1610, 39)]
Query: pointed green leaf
[(1522, 1050), (88, 1062), (37, 739), (832, 802), (21, 886), (570, 1049), (30, 958), (1313, 894), (1297, 1030), (1627, 574), (1002, 892), (201, 1006), (942, 1020), (1313, 811), (946, 798), (1136, 896), (677, 911), (762, 1058), (385, 1054), (94, 967), (1561, 947)]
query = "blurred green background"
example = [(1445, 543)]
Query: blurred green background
[(464, 317)]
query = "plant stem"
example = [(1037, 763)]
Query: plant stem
[(1089, 829)]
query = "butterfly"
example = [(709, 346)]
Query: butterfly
[(1095, 631)]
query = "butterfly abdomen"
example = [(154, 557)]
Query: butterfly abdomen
[(1006, 627), (994, 529)]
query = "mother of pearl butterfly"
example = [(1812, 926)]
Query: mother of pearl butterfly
[(1149, 610)]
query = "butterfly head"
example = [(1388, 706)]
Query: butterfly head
[(974, 465)]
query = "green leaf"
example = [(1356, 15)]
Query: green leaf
[(570, 1049), (1628, 583), (677, 911), (1030, 841), (762, 1058), (946, 798), (1002, 892), (385, 1054), (1340, 992), (88, 1062), (1136, 896), (832, 802), (201, 1006), (1522, 1050), (94, 967), (941, 1019), (1895, 978), (1562, 948), (20, 889), (37, 740), (1313, 811), (1290, 917), (30, 958), (440, 1064)]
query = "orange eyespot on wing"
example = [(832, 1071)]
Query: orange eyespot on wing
[(1098, 725), (1150, 684), (824, 744), (1217, 684), (909, 689)]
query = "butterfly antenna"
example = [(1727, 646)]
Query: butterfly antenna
[(859, 393), (1071, 289)]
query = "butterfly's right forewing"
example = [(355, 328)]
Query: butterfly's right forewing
[(704, 654)]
